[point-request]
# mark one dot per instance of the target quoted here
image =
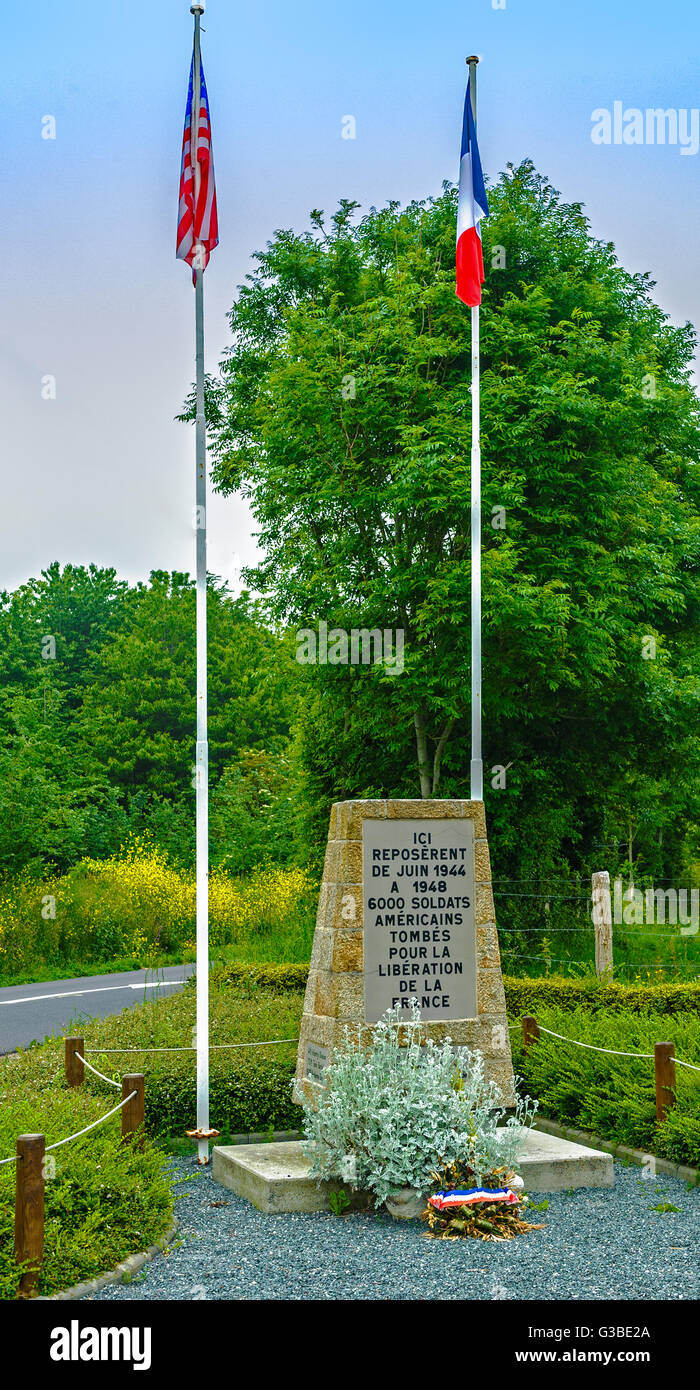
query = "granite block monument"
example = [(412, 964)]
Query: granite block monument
[(406, 913)]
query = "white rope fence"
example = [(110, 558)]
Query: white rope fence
[(95, 1072), (214, 1047), (609, 1051), (87, 1128)]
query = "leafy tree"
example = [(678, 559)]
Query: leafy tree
[(342, 411), (51, 628), (97, 724), (144, 688), (51, 786), (48, 787), (254, 809)]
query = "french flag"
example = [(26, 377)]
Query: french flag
[(471, 207)]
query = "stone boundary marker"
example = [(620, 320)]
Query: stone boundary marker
[(339, 996)]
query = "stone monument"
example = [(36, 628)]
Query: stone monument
[(406, 912)]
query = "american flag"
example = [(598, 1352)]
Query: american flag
[(197, 223)]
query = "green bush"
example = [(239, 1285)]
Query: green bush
[(614, 1096), (244, 1097), (680, 1137), (276, 978), (103, 1201), (390, 1114), (524, 996), (249, 1086)]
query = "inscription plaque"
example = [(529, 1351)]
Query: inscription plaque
[(315, 1062), (418, 904)]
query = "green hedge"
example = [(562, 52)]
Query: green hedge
[(250, 1087), (614, 1096), (523, 996), (277, 978), (244, 1098)]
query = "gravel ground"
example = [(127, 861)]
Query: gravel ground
[(597, 1244)]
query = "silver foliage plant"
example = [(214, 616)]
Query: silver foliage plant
[(391, 1112)]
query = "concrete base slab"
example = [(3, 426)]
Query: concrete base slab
[(550, 1164), (277, 1177)]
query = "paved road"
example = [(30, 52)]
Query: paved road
[(31, 1013)]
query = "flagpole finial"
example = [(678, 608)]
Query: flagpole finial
[(197, 9), (474, 58)]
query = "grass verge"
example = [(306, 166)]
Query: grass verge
[(103, 1201), (249, 1086)]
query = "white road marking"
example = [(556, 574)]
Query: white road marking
[(101, 989)]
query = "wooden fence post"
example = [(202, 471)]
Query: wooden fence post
[(133, 1111), (665, 1070), (602, 923), (75, 1069), (29, 1209), (531, 1031)]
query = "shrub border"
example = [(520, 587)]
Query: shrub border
[(114, 1276), (523, 993), (619, 1151)]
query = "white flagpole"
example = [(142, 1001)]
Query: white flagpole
[(202, 752), (476, 770)]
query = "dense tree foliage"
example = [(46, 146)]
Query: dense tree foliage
[(342, 410), (97, 709)]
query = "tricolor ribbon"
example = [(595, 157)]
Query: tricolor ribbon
[(471, 1197)]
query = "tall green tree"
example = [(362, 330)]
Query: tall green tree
[(97, 719), (138, 713), (52, 787), (52, 628), (342, 411)]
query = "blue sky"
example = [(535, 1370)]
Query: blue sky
[(93, 295)]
